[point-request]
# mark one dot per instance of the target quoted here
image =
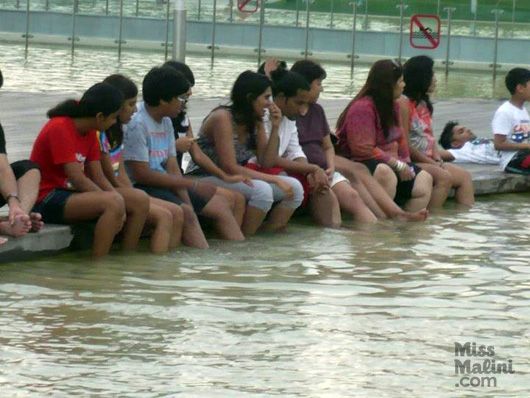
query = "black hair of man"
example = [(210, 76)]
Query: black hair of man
[(447, 134), (515, 77)]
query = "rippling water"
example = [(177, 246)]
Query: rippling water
[(51, 68), (311, 313)]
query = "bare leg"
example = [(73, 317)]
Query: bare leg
[(175, 221), (253, 219), (137, 208), (325, 209), (279, 216), (237, 203), (463, 184), (421, 192), (162, 223), (442, 183), (386, 177), (192, 234), (109, 210), (350, 201), (28, 189), (219, 209)]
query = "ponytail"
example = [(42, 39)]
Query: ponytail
[(100, 98)]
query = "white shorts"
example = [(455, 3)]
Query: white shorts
[(337, 177)]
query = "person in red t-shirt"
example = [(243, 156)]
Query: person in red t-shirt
[(73, 187)]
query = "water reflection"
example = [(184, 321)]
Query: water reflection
[(312, 312)]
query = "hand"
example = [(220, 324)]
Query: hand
[(318, 180), (329, 172), (184, 144), (406, 174), (234, 179), (285, 187), (275, 115), (439, 161), (270, 66)]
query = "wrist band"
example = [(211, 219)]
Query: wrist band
[(12, 195)]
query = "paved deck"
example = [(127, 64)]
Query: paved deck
[(23, 114)]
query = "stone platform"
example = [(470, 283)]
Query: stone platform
[(23, 114)]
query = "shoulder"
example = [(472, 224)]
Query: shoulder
[(219, 116)]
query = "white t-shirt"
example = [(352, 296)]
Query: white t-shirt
[(514, 123), (480, 150), (289, 147)]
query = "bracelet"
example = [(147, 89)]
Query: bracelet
[(400, 166), (12, 195)]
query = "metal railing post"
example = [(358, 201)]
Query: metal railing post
[(120, 33), (306, 52), (47, 5), (179, 31), (332, 4), (199, 10), (402, 7), (497, 13), (450, 11), (107, 8), (297, 12), (27, 35), (137, 10), (261, 24), (231, 5), (513, 16), (365, 21), (166, 46), (214, 22), (74, 17), (353, 32)]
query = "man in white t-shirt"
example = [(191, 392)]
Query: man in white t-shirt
[(462, 146), (511, 124)]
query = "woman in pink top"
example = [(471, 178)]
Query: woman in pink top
[(369, 131), (416, 113)]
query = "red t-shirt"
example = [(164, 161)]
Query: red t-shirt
[(59, 143)]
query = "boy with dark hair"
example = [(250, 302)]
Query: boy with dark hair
[(19, 186), (150, 157), (511, 124)]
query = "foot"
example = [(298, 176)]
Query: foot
[(19, 228), (420, 215), (36, 222), (3, 240)]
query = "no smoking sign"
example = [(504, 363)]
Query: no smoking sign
[(425, 31)]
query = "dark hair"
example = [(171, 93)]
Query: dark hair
[(247, 87), (128, 90), (310, 70), (418, 73), (447, 134), (163, 83), (515, 77), (288, 83), (182, 68), (383, 76), (100, 98)]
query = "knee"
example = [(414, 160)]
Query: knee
[(385, 174), (188, 213), (175, 214), (113, 203), (443, 178), (423, 184), (140, 201), (298, 192), (262, 196)]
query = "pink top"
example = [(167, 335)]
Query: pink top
[(421, 135), (361, 136)]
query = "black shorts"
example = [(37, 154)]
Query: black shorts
[(403, 188), (197, 202), (20, 168), (520, 163), (52, 206)]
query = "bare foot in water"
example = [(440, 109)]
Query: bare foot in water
[(420, 215), (36, 222), (20, 227), (2, 240)]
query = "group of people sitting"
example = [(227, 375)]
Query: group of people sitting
[(255, 161)]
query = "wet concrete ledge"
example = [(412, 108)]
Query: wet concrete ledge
[(31, 107)]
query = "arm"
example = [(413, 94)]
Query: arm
[(267, 152), (96, 174), (327, 147), (123, 179), (108, 171), (502, 144), (446, 155), (144, 175), (76, 176)]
